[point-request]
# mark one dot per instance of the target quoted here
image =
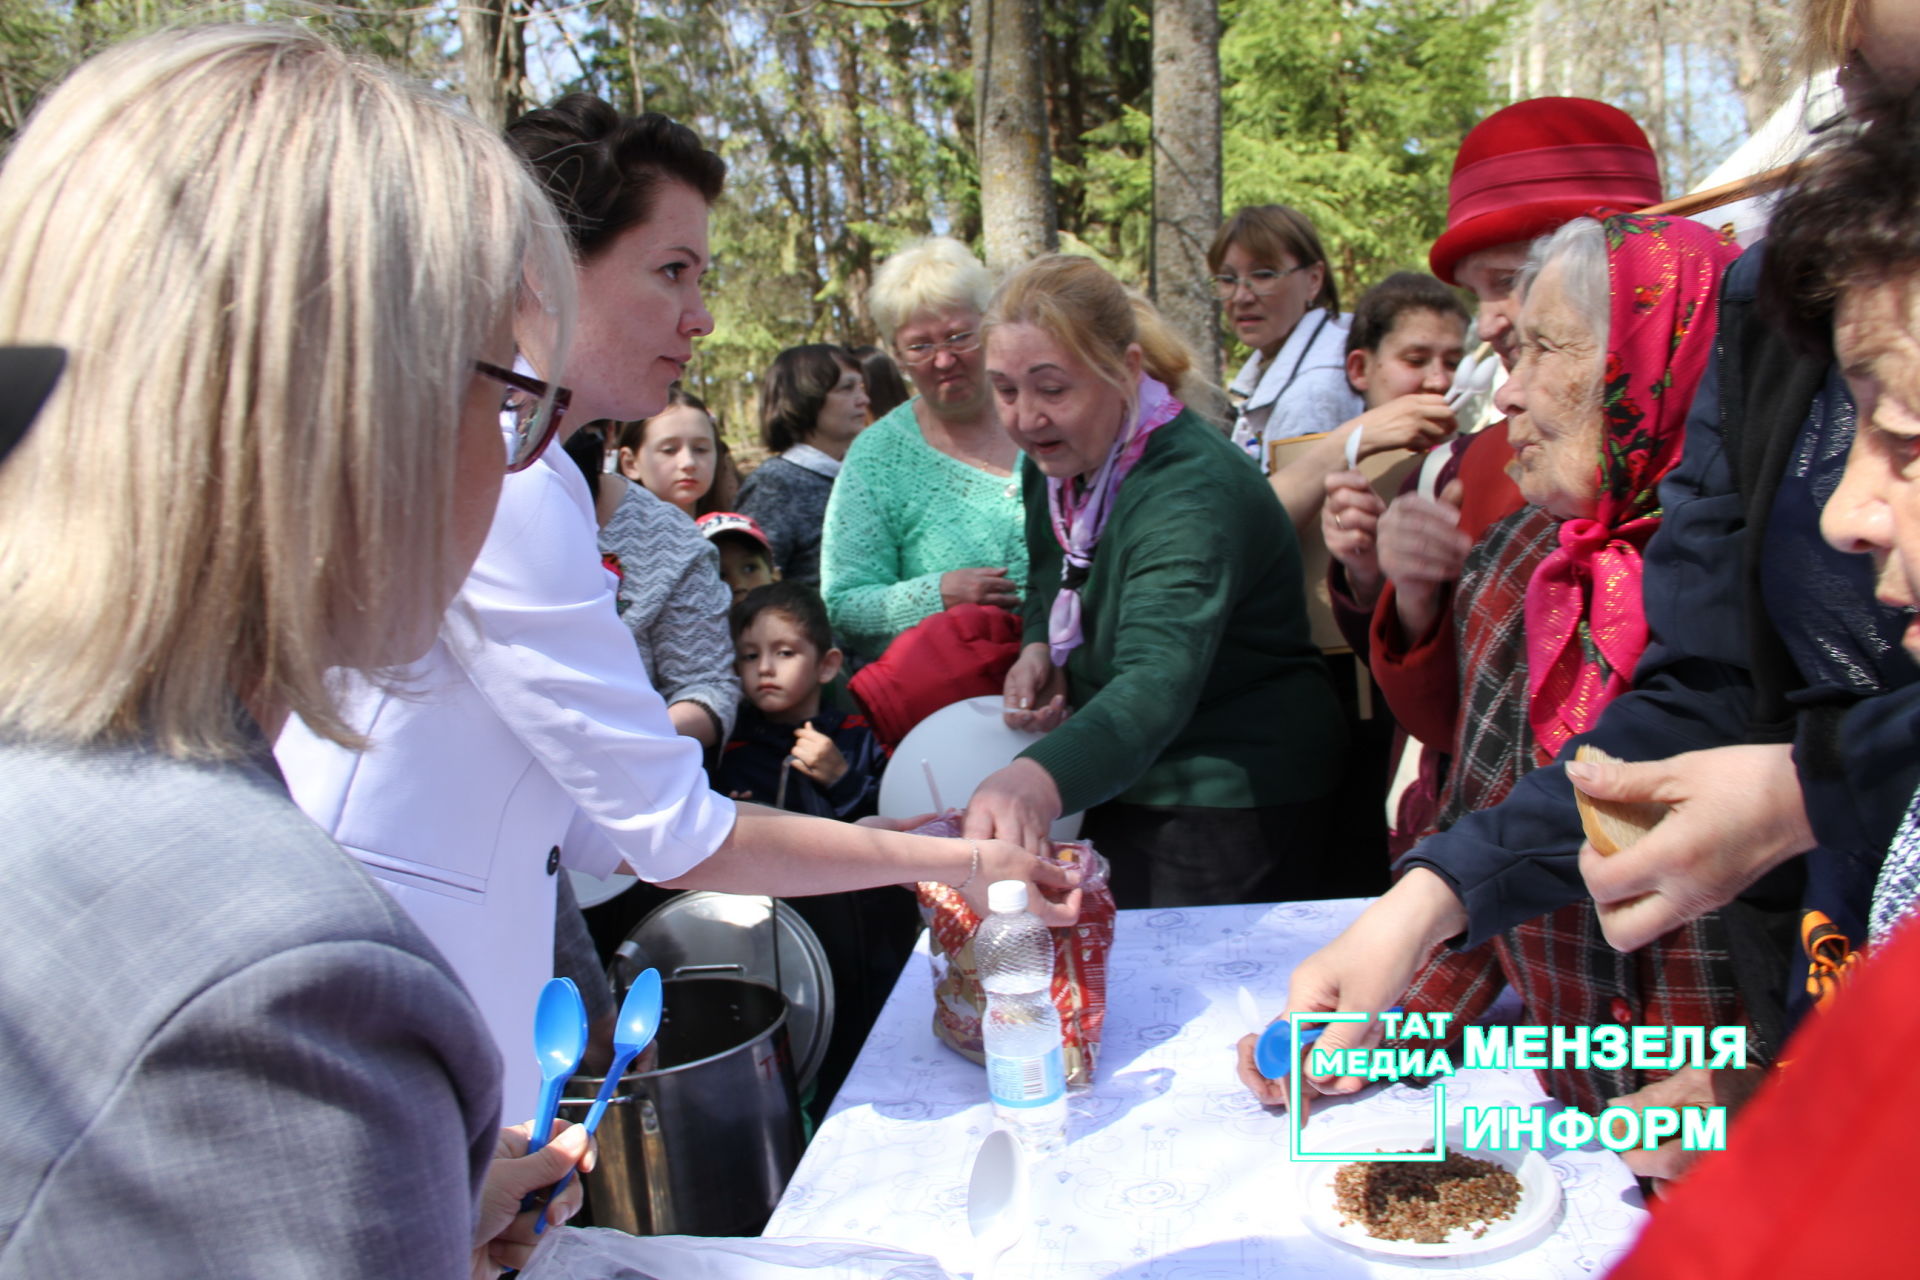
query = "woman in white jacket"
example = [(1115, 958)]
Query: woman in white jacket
[(530, 728), (1271, 275)]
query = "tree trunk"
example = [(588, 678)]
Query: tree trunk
[(1653, 75), (858, 252), (816, 186), (492, 57), (1186, 169), (626, 23), (1016, 179), (1760, 33), (1536, 53)]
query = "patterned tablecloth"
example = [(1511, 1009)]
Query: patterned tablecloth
[(1171, 1169)]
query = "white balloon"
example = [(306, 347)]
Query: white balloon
[(962, 744)]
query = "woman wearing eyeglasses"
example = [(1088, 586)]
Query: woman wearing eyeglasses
[(1272, 278), (530, 732), (1273, 281), (227, 1051), (925, 516)]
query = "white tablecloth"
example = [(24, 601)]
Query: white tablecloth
[(1171, 1169)]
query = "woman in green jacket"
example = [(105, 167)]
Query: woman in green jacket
[(1166, 641)]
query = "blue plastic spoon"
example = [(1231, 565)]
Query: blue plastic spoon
[(639, 1022), (559, 1041), (1273, 1051)]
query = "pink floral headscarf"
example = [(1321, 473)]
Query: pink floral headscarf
[(1079, 512), (1586, 622)]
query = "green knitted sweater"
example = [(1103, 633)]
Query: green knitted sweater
[(1197, 683), (901, 515)]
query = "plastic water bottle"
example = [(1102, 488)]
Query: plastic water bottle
[(1025, 1075)]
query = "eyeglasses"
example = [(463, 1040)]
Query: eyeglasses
[(957, 343), (1261, 282), (535, 407)]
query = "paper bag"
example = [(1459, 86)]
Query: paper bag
[(1388, 471)]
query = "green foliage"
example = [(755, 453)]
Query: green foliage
[(1119, 187), (1099, 67), (41, 40), (849, 130), (844, 130), (1351, 111)]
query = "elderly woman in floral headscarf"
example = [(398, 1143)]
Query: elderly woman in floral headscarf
[(1548, 622)]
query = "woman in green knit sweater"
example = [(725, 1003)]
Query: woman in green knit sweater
[(1166, 640), (926, 513)]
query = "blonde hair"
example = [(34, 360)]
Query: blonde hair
[(935, 274), (272, 265), (1078, 303), (1826, 34)]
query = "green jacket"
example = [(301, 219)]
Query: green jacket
[(1197, 683)]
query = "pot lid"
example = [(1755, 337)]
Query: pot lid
[(749, 936)]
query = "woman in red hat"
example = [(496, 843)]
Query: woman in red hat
[(1616, 331), (1523, 172)]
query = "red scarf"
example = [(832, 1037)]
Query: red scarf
[(1586, 622)]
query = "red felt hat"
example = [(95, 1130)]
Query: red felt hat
[(1537, 165)]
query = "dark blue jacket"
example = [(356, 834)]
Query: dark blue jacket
[(750, 763), (1759, 632)]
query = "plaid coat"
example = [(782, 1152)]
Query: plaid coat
[(1560, 965)]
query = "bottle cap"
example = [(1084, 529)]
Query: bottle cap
[(1007, 896)]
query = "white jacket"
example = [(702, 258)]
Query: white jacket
[(529, 725), (1302, 390)]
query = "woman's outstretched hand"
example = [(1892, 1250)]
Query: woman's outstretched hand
[(1417, 421), (1737, 813), (503, 1235), (1017, 804), (1053, 892), (1367, 968)]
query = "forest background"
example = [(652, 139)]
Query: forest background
[(852, 127)]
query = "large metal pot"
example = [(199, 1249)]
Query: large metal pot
[(743, 936), (704, 1143)]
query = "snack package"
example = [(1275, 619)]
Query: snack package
[(1079, 960)]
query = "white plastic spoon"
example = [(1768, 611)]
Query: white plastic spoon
[(996, 1200)]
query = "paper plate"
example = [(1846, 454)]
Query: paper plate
[(1532, 1218), (962, 743)]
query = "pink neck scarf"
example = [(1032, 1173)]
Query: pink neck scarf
[(1586, 622), (1080, 512)]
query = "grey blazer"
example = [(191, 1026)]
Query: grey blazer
[(224, 1050)]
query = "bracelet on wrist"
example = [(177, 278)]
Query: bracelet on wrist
[(972, 871)]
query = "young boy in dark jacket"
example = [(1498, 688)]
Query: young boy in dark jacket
[(789, 750)]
